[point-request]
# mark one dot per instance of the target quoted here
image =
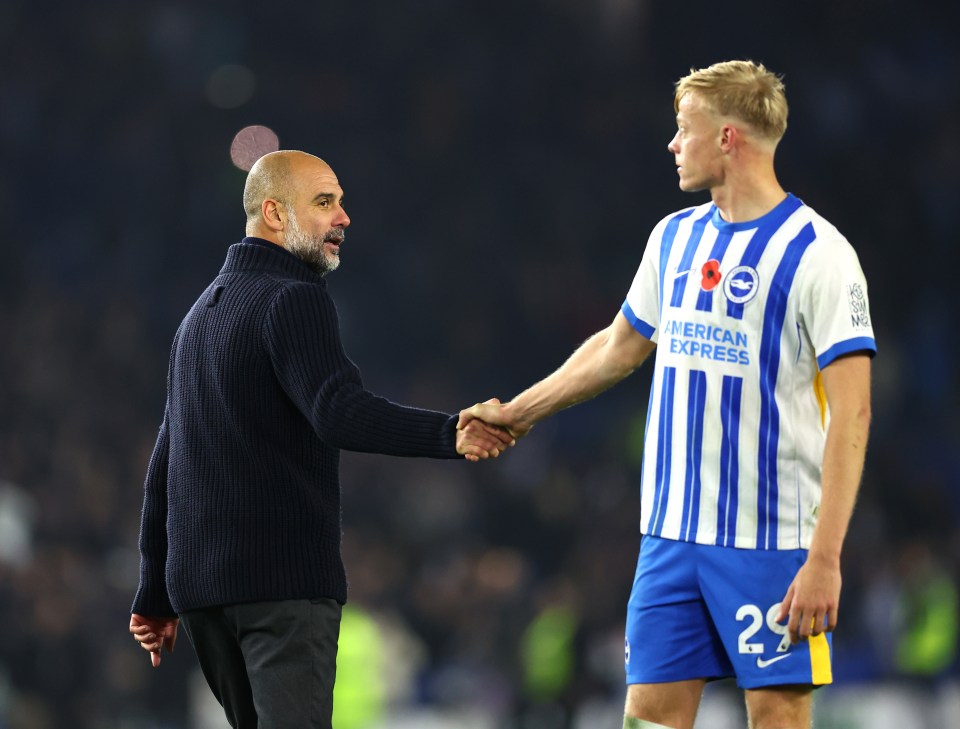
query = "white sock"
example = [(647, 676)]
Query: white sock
[(630, 722)]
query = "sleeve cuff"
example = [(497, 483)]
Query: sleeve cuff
[(637, 323), (857, 344)]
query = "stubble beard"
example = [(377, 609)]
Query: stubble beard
[(310, 248)]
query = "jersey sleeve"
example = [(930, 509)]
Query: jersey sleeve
[(835, 307), (642, 305)]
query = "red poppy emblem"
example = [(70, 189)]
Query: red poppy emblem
[(711, 274)]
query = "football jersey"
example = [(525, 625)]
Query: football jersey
[(745, 316)]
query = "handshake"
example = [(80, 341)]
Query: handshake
[(489, 428)]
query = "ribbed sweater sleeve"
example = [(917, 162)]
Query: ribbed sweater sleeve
[(303, 338), (152, 599)]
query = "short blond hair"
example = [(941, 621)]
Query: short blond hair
[(741, 89)]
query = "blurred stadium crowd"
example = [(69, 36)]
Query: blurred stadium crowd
[(503, 164)]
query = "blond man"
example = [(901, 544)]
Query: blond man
[(757, 421)]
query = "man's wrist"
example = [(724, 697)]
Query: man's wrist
[(826, 557), (518, 419)]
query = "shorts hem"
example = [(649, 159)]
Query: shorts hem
[(779, 681), (660, 678)]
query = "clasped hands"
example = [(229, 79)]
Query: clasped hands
[(487, 429)]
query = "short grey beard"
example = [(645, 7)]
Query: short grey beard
[(309, 248)]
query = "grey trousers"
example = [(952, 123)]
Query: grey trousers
[(271, 665)]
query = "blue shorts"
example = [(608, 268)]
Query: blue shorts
[(700, 611)]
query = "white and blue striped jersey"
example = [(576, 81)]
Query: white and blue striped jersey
[(745, 316)]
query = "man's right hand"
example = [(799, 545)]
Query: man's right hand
[(494, 413)]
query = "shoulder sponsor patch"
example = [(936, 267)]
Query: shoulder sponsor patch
[(859, 311)]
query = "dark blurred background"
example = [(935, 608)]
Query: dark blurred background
[(503, 164)]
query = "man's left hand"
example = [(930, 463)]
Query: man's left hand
[(153, 634)]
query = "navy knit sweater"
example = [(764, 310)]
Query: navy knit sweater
[(242, 494)]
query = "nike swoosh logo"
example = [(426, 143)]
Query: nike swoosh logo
[(763, 664)]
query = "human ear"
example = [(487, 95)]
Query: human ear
[(729, 135), (272, 215)]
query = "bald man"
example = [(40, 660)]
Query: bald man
[(240, 532)]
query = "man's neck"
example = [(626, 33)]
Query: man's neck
[(747, 194), (264, 233)]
